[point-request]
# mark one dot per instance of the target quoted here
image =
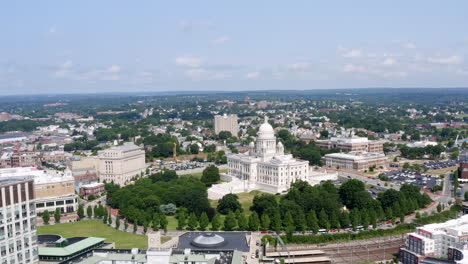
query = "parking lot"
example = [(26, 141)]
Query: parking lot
[(435, 165), (423, 180)]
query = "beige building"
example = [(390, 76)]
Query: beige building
[(121, 163), (226, 123), (53, 189), (355, 160), (348, 144)]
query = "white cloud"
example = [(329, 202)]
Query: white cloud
[(351, 68), (354, 53), (222, 40), (52, 30), (409, 45), (252, 75), (69, 70), (199, 74), (189, 61), (299, 66), (462, 72), (389, 62), (452, 60)]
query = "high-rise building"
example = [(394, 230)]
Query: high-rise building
[(447, 240), (226, 123), (119, 164), (18, 239)]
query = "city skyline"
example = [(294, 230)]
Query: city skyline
[(89, 47)]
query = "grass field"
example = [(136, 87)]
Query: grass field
[(245, 199), (444, 170), (199, 174), (96, 228)]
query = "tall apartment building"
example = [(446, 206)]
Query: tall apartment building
[(348, 144), (18, 239), (447, 240), (355, 160), (121, 163), (226, 123)]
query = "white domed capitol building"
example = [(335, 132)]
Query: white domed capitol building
[(265, 166)]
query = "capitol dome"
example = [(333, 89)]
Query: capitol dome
[(208, 240), (266, 130)]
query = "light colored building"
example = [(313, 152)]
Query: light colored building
[(355, 160), (349, 144), (226, 123), (53, 189), (421, 144), (447, 240), (22, 159), (265, 166), (18, 240), (119, 164)]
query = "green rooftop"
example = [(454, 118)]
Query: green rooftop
[(61, 253)]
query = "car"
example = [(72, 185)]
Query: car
[(253, 256)]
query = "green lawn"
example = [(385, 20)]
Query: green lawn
[(199, 174), (96, 228)]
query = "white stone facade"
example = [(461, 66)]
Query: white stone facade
[(265, 167), (121, 163), (226, 123)]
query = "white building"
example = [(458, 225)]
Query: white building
[(421, 144), (18, 240), (53, 189), (119, 164), (226, 123), (355, 160), (447, 240), (265, 166)]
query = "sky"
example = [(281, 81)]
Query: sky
[(125, 46)]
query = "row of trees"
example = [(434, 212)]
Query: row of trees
[(418, 153)]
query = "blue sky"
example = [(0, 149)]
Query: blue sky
[(106, 46)]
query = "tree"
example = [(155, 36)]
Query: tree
[(254, 222), (194, 148), (163, 222), (439, 208), (288, 224), (265, 219), (466, 196), (109, 221), (57, 215), (80, 211), (224, 135), (353, 194), (192, 222), (334, 220), (402, 218), (312, 221), (104, 216), (145, 228), (210, 175), (89, 211), (276, 223), (181, 219), (204, 221), (229, 203), (135, 227), (125, 224), (215, 222), (355, 218), (344, 219), (324, 222), (264, 203), (168, 209), (156, 221), (46, 217), (230, 222), (242, 222), (117, 223), (95, 211), (373, 218)]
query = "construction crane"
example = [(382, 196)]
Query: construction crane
[(174, 155)]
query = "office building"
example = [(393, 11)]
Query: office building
[(119, 164), (348, 144), (226, 123), (19, 159), (447, 240), (18, 239), (53, 189), (355, 160)]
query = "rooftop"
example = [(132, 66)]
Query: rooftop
[(71, 249)]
